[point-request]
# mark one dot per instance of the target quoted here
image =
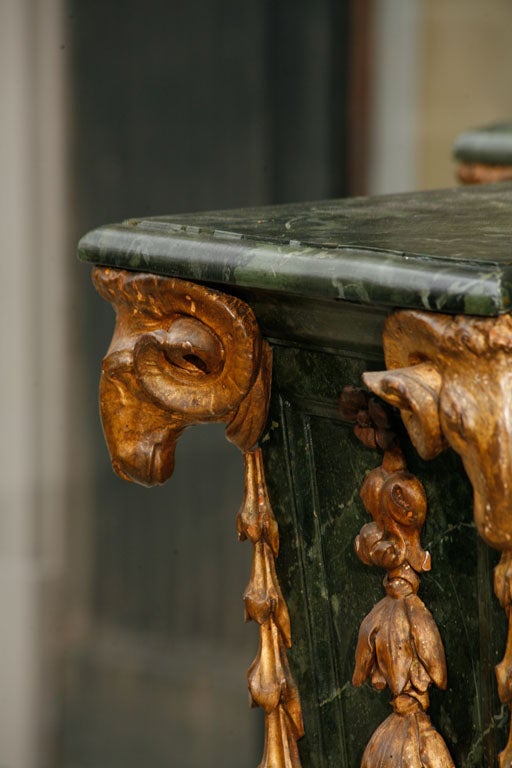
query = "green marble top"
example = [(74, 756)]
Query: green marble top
[(447, 250), (491, 145)]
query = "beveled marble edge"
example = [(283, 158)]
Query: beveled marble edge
[(361, 276)]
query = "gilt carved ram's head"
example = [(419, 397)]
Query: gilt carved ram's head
[(451, 377), (181, 354)]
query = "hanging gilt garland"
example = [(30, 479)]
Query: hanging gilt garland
[(271, 684), (399, 645)]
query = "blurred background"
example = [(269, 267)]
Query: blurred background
[(122, 639)]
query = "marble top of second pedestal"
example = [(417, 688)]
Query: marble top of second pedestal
[(491, 144), (445, 250)]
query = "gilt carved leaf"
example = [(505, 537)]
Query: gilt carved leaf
[(266, 675), (426, 640)]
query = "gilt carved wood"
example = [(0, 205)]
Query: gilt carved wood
[(399, 645), (183, 354), (483, 173), (451, 378)]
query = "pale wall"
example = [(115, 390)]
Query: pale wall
[(465, 78)]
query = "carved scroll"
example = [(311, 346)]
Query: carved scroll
[(183, 354), (451, 377), (399, 645)]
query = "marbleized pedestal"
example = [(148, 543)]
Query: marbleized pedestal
[(484, 155), (261, 319)]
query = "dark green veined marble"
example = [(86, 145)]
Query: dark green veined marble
[(491, 144), (447, 251)]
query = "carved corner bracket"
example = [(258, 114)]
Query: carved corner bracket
[(184, 354), (451, 378), (399, 645)]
